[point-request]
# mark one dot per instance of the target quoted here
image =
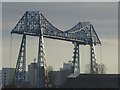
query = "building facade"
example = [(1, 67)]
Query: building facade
[(32, 74), (57, 78), (7, 76), (0, 79)]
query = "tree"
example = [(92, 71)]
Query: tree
[(101, 69)]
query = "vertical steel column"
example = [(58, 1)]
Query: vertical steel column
[(91, 58), (41, 75), (76, 61), (93, 63), (40, 69), (91, 51), (20, 69)]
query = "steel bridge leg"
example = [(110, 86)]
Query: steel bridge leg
[(40, 69), (76, 62), (93, 62), (94, 65), (42, 76), (20, 69)]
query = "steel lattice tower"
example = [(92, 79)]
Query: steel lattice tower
[(76, 61), (21, 63), (93, 63), (42, 77)]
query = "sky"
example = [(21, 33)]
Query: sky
[(103, 16), (60, 1)]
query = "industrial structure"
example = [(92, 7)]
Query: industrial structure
[(33, 23)]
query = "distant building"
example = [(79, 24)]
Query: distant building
[(0, 77), (26, 76), (7, 76), (57, 78), (67, 66), (32, 74), (50, 68), (52, 78)]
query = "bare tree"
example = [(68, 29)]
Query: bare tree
[(101, 69)]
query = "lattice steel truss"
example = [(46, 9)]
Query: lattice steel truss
[(29, 24), (35, 24), (76, 61), (21, 63)]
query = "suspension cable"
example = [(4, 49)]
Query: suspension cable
[(101, 53), (10, 49), (11, 57), (85, 55)]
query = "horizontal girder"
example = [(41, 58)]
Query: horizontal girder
[(32, 23)]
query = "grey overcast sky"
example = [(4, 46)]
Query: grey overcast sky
[(60, 1), (104, 17)]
